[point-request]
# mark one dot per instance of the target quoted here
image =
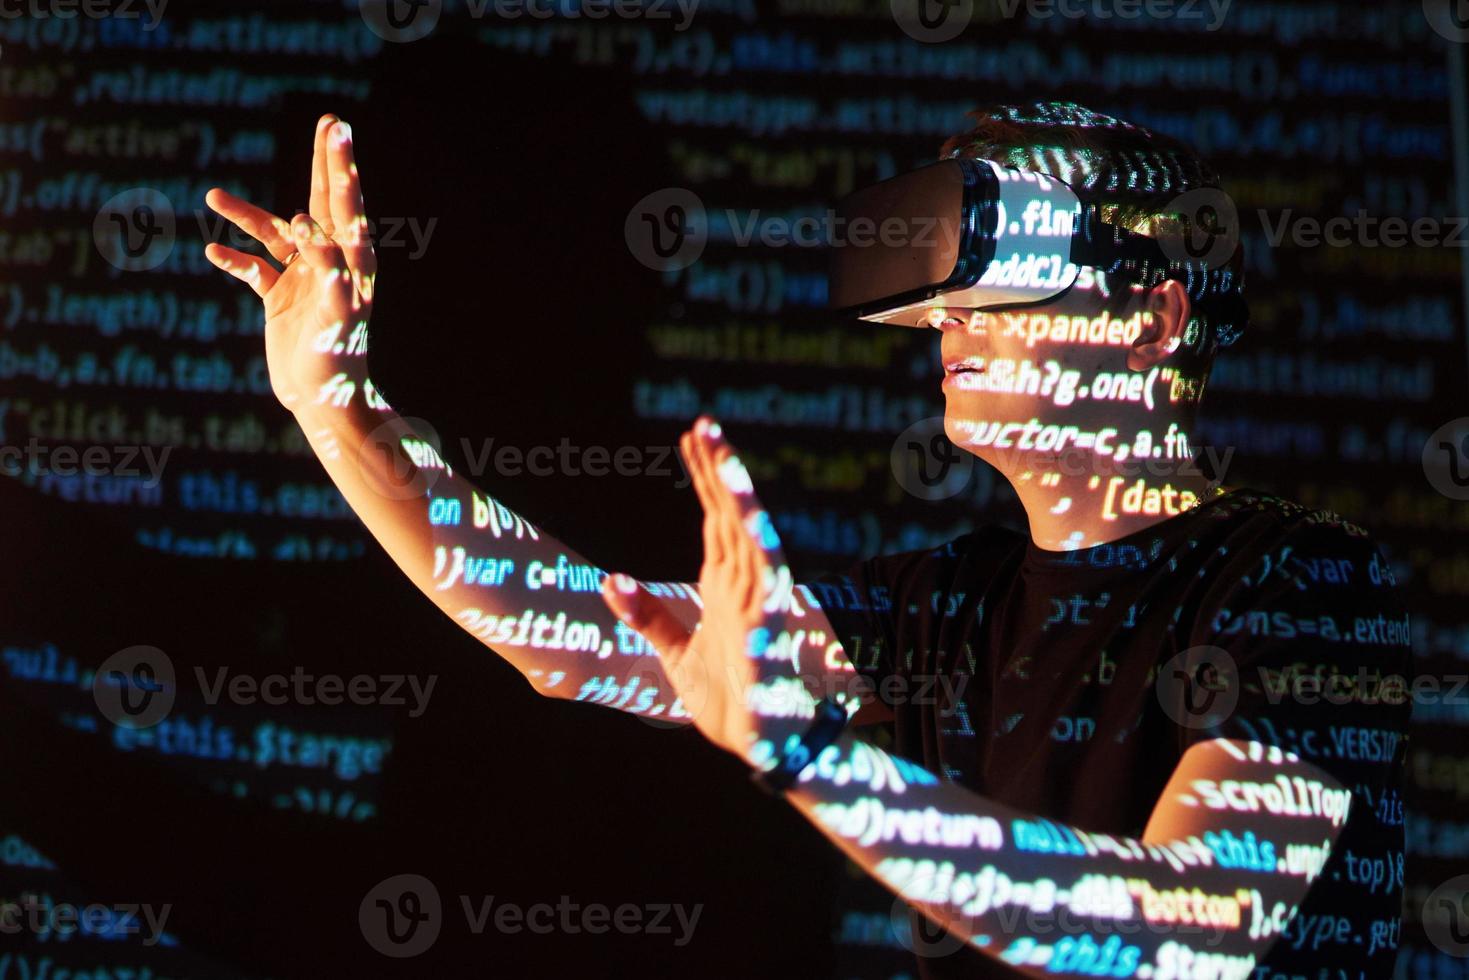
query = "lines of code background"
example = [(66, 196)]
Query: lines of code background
[(501, 157)]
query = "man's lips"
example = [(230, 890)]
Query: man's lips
[(964, 365)]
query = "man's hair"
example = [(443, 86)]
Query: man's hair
[(1132, 174)]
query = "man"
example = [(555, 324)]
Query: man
[(1179, 743)]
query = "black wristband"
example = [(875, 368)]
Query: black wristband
[(826, 727)]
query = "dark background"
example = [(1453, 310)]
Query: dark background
[(528, 320)]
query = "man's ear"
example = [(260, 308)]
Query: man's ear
[(1165, 314)]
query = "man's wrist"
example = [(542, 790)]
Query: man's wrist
[(349, 423), (783, 752)]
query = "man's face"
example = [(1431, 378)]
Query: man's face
[(1034, 388)]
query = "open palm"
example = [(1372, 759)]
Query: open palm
[(318, 305)]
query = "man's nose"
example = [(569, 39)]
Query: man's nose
[(947, 320)]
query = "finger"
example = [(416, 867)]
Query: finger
[(267, 229), (252, 270), (732, 539), (760, 561), (349, 213), (737, 493), (737, 556), (698, 477), (735, 490), (316, 247), (320, 206), (642, 612), (344, 188), (749, 563)]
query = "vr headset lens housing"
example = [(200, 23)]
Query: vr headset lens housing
[(968, 234)]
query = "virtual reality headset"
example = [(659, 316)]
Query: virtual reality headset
[(974, 234)]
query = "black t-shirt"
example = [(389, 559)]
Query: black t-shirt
[(1055, 659)]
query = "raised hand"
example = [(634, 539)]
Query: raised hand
[(747, 671), (316, 306)]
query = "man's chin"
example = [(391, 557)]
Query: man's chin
[(976, 434), (960, 429)]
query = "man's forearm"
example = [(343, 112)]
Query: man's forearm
[(532, 599), (1052, 899)]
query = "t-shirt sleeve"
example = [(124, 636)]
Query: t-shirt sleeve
[(1317, 660)]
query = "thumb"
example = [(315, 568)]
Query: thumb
[(632, 604)]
